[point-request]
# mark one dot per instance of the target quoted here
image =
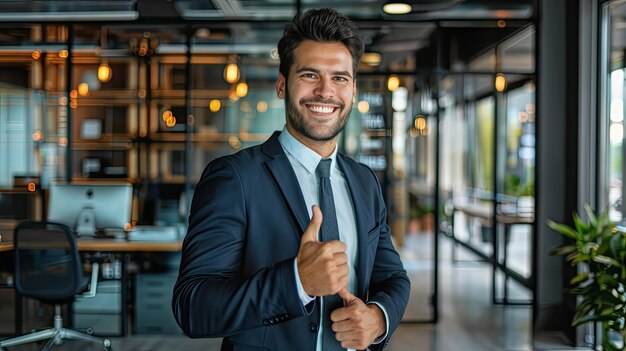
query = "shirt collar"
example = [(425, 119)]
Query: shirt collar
[(308, 158)]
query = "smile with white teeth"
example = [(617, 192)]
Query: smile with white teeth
[(321, 109)]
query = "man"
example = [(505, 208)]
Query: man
[(261, 265)]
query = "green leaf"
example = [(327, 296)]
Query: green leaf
[(564, 229), (606, 260), (616, 244), (607, 311), (581, 226), (590, 318), (579, 278), (592, 217), (580, 258), (563, 250)]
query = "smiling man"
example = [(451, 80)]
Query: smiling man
[(288, 246)]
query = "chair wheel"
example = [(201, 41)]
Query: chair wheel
[(89, 331), (107, 345)]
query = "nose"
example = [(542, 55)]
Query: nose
[(324, 89)]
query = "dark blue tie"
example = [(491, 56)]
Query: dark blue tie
[(328, 231)]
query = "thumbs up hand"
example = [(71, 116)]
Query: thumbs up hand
[(357, 325), (322, 266)]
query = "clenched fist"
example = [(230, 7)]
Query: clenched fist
[(322, 266)]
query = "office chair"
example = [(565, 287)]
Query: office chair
[(48, 268)]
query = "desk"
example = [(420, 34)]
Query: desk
[(484, 211), (116, 245), (88, 244)]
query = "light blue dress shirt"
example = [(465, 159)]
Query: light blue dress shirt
[(304, 161)]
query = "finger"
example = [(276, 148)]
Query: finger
[(340, 314), (343, 326), (311, 232), (340, 258), (347, 296), (337, 246)]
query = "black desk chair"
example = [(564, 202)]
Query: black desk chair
[(48, 268)]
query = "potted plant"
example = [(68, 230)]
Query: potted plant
[(601, 248)]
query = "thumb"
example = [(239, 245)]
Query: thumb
[(347, 296), (314, 226)]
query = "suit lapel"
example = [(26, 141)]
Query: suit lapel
[(357, 193), (286, 180)]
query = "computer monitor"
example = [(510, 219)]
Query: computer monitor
[(87, 208)]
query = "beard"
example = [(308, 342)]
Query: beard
[(297, 119)]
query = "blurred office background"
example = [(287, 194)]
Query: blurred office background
[(465, 108)]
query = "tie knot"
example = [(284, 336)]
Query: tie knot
[(323, 168)]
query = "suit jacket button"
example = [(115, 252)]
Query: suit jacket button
[(313, 327), (266, 322)]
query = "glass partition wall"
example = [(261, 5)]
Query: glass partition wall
[(487, 131), (152, 106)]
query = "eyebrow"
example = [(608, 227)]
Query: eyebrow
[(314, 70)]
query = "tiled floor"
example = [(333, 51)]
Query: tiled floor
[(468, 320)]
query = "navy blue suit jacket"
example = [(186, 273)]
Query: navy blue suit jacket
[(237, 278)]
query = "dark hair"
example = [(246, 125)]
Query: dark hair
[(322, 25)]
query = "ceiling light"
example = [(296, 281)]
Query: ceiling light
[(500, 82), (397, 8), (242, 89), (215, 105), (104, 72), (371, 58), (83, 89), (393, 83), (231, 73)]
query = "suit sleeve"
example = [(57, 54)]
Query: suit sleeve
[(389, 284), (211, 297)]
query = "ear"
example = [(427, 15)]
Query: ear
[(280, 86)]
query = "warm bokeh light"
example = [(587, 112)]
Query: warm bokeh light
[(104, 72), (371, 58), (37, 136), (397, 8), (232, 96), (215, 105), (393, 83), (242, 89), (500, 82), (363, 106), (261, 106), (73, 103), (501, 24), (141, 93), (36, 55), (31, 186), (231, 73), (83, 89), (167, 114), (420, 122), (63, 141), (62, 100), (127, 227), (171, 121), (234, 142), (64, 54), (74, 94)]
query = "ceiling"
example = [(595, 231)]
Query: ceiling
[(253, 27), (207, 10)]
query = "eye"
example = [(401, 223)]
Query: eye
[(309, 75), (342, 79)]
